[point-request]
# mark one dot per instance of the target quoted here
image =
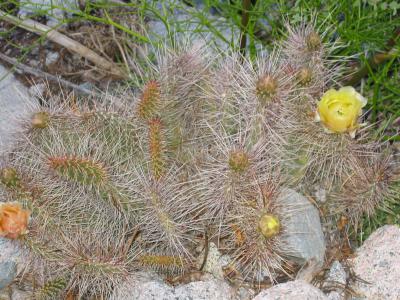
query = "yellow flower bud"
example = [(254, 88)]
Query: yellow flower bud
[(269, 225), (339, 110), (238, 161), (40, 120)]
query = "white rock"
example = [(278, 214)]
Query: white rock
[(14, 104), (292, 290), (143, 286), (377, 261), (305, 239), (336, 281), (147, 286), (215, 261), (205, 290)]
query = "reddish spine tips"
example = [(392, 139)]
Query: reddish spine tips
[(156, 147), (149, 101), (84, 171)]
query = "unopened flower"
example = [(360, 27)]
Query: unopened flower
[(339, 110), (269, 225), (13, 220)]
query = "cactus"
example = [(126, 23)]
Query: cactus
[(208, 144)]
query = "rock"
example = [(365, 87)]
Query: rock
[(20, 295), (336, 279), (292, 290), (47, 8), (15, 103), (10, 257), (205, 290), (215, 261), (305, 239), (182, 24), (52, 57), (145, 286), (377, 262), (8, 271)]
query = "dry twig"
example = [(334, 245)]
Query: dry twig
[(64, 41)]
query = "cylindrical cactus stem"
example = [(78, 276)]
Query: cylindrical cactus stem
[(52, 289), (82, 170), (162, 263), (150, 101), (156, 148)]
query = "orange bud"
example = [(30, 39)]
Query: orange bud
[(13, 220)]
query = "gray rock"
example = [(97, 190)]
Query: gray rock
[(53, 9), (15, 103), (305, 238), (8, 271), (52, 57), (184, 25), (10, 258), (17, 294), (377, 262), (292, 290)]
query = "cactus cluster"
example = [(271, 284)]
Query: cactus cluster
[(207, 148)]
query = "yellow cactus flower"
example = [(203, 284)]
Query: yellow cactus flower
[(338, 110), (269, 225)]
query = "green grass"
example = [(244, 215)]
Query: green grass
[(364, 26)]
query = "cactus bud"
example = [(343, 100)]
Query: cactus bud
[(304, 76), (269, 225), (9, 177), (313, 41), (238, 161), (40, 120), (266, 86)]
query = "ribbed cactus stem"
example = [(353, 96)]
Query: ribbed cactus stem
[(149, 102), (156, 148), (82, 170), (51, 289)]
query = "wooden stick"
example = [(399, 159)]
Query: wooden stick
[(64, 41), (47, 76)]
